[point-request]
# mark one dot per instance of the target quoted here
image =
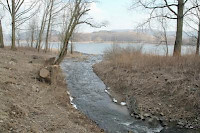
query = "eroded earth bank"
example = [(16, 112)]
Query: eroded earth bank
[(28, 105), (164, 88)]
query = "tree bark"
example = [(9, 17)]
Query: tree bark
[(72, 48), (32, 37), (198, 40), (1, 36), (179, 32), (166, 43), (48, 27), (13, 47), (38, 46), (62, 55)]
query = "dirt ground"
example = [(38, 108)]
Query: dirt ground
[(168, 92), (27, 105)]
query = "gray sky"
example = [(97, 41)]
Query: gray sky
[(117, 13)]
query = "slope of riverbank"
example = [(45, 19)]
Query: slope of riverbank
[(164, 87), (27, 105)]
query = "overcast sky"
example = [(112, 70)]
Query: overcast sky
[(117, 13)]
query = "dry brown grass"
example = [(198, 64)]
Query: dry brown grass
[(134, 58), (170, 85)]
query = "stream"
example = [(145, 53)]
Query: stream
[(88, 95)]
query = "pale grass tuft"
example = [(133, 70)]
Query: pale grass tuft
[(134, 58)]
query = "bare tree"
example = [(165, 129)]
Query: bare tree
[(43, 23), (18, 37), (175, 10), (49, 24), (32, 27), (1, 36), (64, 21), (193, 21), (162, 34), (78, 9), (18, 14), (56, 7)]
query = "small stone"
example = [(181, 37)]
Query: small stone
[(157, 109), (13, 112), (147, 115), (114, 100), (180, 123), (161, 114), (153, 122), (191, 127), (35, 57), (1, 121), (163, 122), (142, 117), (12, 63), (14, 60), (30, 62), (193, 89), (137, 117)]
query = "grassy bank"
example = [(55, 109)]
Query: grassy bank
[(27, 105), (166, 87)]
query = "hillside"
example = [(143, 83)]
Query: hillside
[(115, 36), (27, 105)]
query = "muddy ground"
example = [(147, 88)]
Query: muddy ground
[(27, 105), (169, 93)]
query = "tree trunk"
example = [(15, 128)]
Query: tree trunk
[(40, 34), (72, 48), (198, 40), (179, 32), (1, 36), (49, 25), (38, 45), (32, 37), (166, 44), (13, 47), (62, 55)]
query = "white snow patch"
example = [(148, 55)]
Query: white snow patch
[(114, 100), (71, 98), (107, 92), (123, 103), (127, 123), (74, 105)]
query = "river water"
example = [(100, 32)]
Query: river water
[(99, 48)]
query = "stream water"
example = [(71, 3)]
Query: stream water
[(88, 95)]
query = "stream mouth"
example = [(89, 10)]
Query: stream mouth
[(88, 95)]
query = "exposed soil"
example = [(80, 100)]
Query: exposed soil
[(27, 105), (170, 93)]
